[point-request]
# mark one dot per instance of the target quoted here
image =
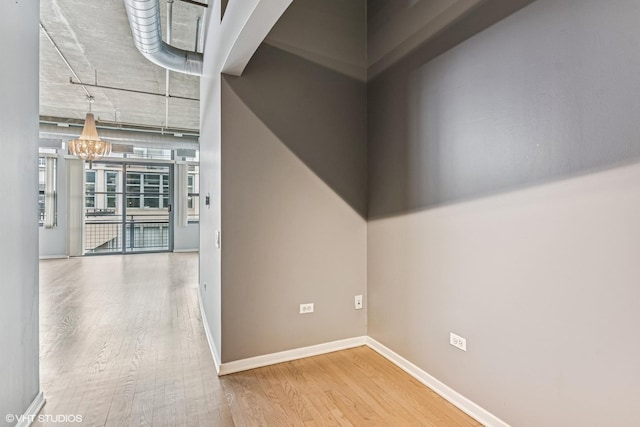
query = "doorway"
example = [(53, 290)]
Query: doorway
[(128, 207)]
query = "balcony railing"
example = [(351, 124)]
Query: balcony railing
[(104, 233)]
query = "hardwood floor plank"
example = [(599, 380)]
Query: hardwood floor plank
[(352, 387)]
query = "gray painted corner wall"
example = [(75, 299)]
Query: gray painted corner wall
[(19, 234), (503, 204), (330, 33), (502, 201), (293, 199), (319, 114), (486, 117), (397, 27), (288, 239)]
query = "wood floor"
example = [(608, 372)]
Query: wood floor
[(122, 344), (356, 387)]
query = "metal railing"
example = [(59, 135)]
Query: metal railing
[(142, 233)]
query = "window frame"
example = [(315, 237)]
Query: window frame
[(90, 195), (193, 196), (42, 187)]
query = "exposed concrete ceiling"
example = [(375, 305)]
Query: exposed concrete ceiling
[(94, 36)]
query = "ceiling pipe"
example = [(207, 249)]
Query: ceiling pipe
[(144, 19), (142, 92), (140, 139)]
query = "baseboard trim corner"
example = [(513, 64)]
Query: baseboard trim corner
[(31, 413), (207, 332), (465, 405), (289, 355)]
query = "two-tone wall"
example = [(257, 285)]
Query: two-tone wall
[(294, 184), (503, 203), (19, 384), (483, 181)]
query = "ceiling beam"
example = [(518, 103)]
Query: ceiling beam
[(244, 27)]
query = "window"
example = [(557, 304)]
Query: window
[(111, 180), (133, 190), (165, 191), (147, 190), (90, 189), (151, 191), (193, 195), (47, 191), (42, 173), (150, 153), (190, 190)]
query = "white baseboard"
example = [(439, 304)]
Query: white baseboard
[(178, 251), (207, 332), (289, 355), (54, 257), (465, 405), (32, 411)]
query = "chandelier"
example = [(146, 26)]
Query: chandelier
[(89, 146)]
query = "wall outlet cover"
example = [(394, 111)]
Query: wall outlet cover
[(358, 302), (457, 341), (306, 308)]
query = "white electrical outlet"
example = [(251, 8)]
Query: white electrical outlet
[(358, 302), (457, 341), (306, 308)]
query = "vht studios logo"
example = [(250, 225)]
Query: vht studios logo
[(11, 418)]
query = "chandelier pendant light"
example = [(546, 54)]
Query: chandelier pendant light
[(89, 146)]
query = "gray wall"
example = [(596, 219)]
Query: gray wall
[(186, 238), (19, 231), (209, 255), (398, 27), (293, 193), (331, 33), (503, 205), (318, 114)]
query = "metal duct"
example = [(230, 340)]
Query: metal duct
[(138, 139), (144, 19)]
